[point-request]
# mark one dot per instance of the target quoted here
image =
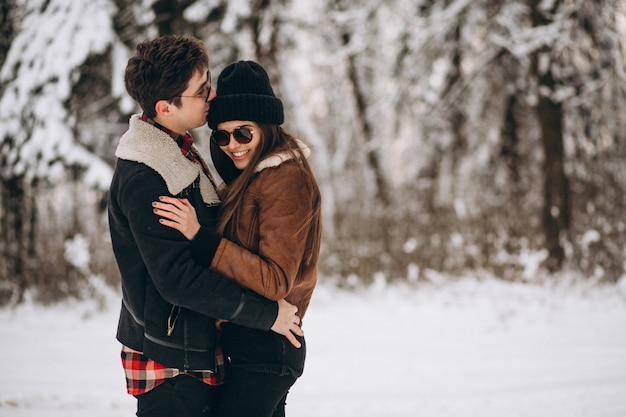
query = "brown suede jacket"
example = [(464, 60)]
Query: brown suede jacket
[(268, 256)]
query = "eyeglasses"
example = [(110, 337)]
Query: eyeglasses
[(208, 93), (241, 134)]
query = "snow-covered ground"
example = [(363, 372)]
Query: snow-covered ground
[(467, 349)]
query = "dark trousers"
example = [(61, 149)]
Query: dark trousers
[(253, 394), (182, 396)]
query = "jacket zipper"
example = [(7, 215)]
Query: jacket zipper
[(185, 344)]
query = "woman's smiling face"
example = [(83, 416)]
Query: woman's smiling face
[(240, 153)]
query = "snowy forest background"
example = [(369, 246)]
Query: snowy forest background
[(449, 136)]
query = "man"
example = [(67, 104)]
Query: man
[(165, 325)]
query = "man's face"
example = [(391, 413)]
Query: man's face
[(194, 104)]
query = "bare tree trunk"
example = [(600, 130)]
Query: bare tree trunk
[(456, 117), (510, 141), (125, 24), (169, 15), (556, 195), (12, 196), (556, 209), (372, 157), (6, 28), (365, 128), (17, 225)]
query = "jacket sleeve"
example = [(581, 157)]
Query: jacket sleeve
[(284, 198), (204, 246), (168, 260)]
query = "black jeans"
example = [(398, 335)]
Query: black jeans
[(182, 396), (253, 394)]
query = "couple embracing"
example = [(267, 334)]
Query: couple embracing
[(217, 268)]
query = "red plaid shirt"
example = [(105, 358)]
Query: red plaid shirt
[(144, 374)]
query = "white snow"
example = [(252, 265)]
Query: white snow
[(483, 348)]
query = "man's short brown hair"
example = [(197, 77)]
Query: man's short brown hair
[(161, 69)]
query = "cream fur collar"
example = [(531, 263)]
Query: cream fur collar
[(151, 146), (275, 160)]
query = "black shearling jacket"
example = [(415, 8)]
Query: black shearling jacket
[(160, 279)]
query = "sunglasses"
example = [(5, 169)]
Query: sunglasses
[(241, 134)]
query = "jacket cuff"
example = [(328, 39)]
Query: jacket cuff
[(255, 312), (204, 246)]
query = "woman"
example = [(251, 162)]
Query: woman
[(271, 227)]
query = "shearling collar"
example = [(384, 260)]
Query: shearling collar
[(149, 145), (276, 159)]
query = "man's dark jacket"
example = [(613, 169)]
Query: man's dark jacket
[(162, 286)]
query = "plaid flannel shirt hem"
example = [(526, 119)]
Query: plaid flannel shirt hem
[(144, 374)]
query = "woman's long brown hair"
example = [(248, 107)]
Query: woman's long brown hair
[(274, 139)]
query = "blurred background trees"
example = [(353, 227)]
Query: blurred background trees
[(450, 136)]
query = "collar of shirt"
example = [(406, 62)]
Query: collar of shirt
[(184, 142)]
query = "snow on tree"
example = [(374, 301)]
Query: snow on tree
[(46, 174), (43, 63)]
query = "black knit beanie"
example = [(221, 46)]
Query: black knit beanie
[(244, 92)]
